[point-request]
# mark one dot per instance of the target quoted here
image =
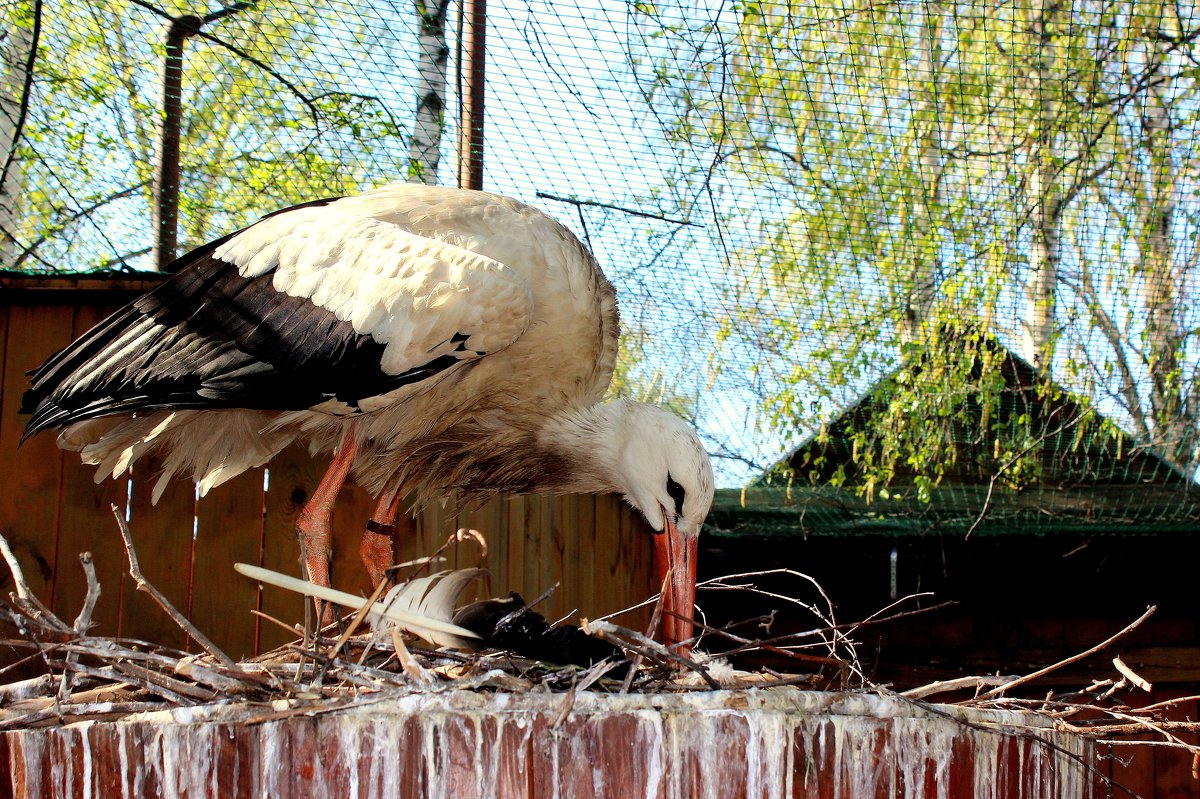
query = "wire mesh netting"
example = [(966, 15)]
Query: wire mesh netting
[(796, 201)]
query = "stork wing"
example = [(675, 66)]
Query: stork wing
[(319, 307)]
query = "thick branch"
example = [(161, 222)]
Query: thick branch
[(142, 585)]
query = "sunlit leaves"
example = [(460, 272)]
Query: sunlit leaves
[(908, 170), (270, 118)]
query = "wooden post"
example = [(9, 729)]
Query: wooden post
[(471, 57), (165, 211)]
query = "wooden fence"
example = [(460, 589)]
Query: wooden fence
[(51, 510)]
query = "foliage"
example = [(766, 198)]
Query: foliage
[(903, 171), (268, 122), (631, 379)]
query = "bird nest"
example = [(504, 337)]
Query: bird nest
[(322, 670), (91, 677)]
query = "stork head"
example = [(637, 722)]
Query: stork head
[(663, 471)]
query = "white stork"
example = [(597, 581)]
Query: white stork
[(441, 343)]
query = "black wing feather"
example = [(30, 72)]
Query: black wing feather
[(210, 338)]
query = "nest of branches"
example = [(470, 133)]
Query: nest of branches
[(323, 670)]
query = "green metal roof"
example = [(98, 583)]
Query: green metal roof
[(1078, 472), (827, 511)]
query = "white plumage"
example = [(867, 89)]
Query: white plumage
[(442, 343)]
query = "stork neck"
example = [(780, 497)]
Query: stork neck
[(590, 441)]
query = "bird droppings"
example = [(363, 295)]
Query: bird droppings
[(779, 742)]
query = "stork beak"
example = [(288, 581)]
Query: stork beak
[(675, 558)]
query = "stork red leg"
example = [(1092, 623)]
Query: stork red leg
[(315, 525), (377, 550)]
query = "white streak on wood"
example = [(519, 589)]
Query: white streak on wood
[(734, 741)]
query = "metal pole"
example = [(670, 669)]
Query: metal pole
[(472, 55), (164, 214)]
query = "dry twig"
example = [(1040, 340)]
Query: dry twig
[(1074, 658), (142, 585), (1132, 675), (636, 642), (958, 684), (82, 622)]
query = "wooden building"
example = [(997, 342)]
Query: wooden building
[(1037, 570)]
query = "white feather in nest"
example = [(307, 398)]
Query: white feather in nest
[(432, 597), (422, 607)]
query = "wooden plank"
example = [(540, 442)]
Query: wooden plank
[(1173, 767), (293, 476), (607, 595), (526, 580), (69, 288), (492, 521), (587, 545), (514, 546), (564, 553), (86, 524), (163, 536), (31, 473), (4, 376), (7, 657), (428, 529), (229, 527), (8, 772), (488, 520), (628, 567), (538, 573), (407, 541)]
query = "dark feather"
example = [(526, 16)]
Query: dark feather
[(210, 338), (510, 624)]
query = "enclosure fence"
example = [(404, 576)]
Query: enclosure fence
[(794, 199)]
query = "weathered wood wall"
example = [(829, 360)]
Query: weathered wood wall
[(51, 510)]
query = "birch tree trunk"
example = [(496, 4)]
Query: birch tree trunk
[(15, 54), (1172, 404), (1045, 190), (926, 264), (433, 55)]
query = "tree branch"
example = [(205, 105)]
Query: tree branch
[(1068, 661), (631, 211), (239, 52), (142, 584), (62, 225)]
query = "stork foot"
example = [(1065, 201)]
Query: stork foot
[(376, 550), (315, 552)]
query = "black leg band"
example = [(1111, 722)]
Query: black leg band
[(382, 529)]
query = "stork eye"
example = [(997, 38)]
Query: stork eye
[(676, 492)]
